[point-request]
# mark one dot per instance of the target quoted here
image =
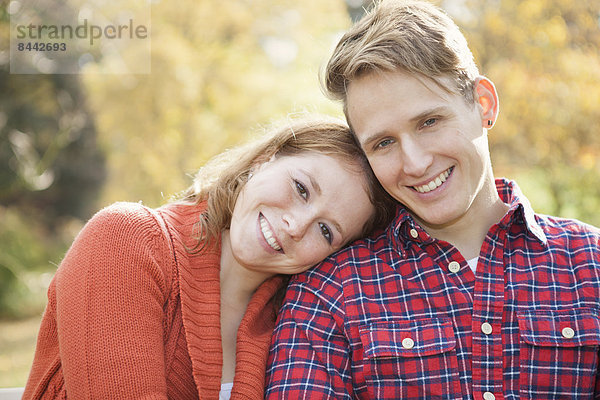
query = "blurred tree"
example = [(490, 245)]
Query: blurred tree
[(48, 150), (220, 70), (50, 169), (544, 57), (48, 154)]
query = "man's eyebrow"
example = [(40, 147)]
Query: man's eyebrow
[(373, 138), (432, 111)]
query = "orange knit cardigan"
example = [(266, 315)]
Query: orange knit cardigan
[(132, 314)]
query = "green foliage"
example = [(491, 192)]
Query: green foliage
[(17, 344), (30, 253), (220, 71), (50, 170), (543, 56), (223, 69), (48, 156)]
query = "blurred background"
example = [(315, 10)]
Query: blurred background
[(221, 70)]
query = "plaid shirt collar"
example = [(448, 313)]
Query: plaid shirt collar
[(520, 212)]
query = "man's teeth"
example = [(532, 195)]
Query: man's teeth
[(264, 227), (435, 183)]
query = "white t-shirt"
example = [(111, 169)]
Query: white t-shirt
[(225, 392), (473, 263)]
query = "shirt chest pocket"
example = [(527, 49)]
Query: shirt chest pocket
[(411, 359), (558, 353)]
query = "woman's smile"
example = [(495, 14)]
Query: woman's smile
[(300, 208), (268, 234)]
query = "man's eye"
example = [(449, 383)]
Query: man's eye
[(326, 232), (384, 143), (302, 191), (430, 121)]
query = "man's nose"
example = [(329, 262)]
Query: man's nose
[(416, 158)]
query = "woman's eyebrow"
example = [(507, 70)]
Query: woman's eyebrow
[(313, 182), (317, 189)]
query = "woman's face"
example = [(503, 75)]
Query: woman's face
[(296, 210)]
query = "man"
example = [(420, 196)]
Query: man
[(467, 294)]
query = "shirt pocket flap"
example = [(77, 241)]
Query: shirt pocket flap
[(560, 328), (407, 338)]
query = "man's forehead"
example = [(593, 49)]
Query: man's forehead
[(360, 102)]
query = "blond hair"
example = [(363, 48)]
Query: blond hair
[(220, 181), (413, 36)]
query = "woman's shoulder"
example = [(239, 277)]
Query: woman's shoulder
[(121, 219), (127, 212), (124, 227), (122, 244), (182, 213), (183, 222), (164, 233), (137, 213)]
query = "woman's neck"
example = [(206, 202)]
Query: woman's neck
[(238, 284)]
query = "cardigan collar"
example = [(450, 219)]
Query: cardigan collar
[(199, 284)]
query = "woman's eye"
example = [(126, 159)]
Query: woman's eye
[(326, 232), (302, 191)]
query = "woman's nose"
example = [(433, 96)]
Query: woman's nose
[(296, 224)]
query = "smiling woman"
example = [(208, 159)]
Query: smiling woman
[(298, 208), (180, 302)]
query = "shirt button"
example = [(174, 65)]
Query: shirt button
[(408, 343), (568, 333), (486, 328), (414, 233), (489, 396), (454, 266)]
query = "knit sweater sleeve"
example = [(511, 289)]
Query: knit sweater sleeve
[(111, 289)]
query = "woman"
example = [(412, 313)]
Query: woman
[(180, 302)]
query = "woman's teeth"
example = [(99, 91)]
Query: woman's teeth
[(268, 234), (435, 183)]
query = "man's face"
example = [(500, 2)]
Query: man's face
[(427, 147)]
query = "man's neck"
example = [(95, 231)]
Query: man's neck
[(468, 232)]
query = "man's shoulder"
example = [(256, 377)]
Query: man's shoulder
[(570, 234), (559, 226), (360, 249), (360, 252)]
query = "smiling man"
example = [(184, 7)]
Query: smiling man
[(429, 150), (468, 293)]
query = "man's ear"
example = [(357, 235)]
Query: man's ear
[(487, 99)]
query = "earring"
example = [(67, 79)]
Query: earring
[(250, 175), (489, 122)]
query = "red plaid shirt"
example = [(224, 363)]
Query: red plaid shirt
[(395, 317)]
